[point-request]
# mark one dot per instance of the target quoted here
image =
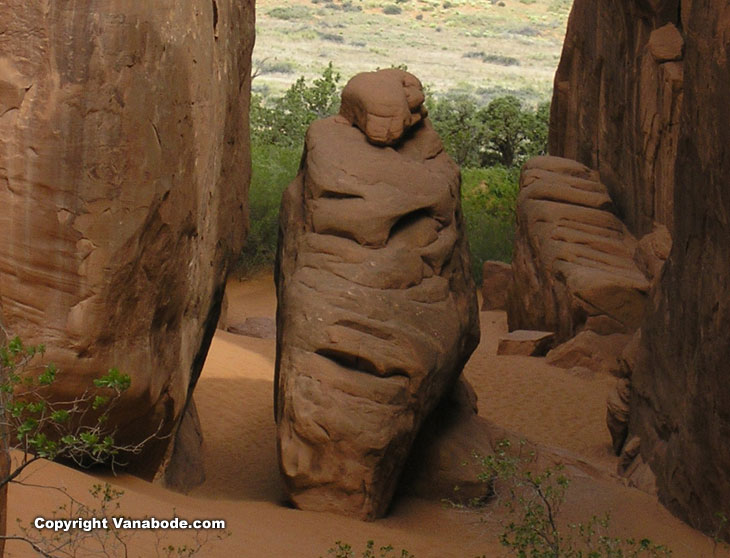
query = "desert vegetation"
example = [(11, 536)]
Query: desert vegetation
[(490, 124), (489, 141)]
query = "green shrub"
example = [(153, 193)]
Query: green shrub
[(392, 10), (289, 12), (274, 167), (533, 497), (501, 133), (284, 121), (488, 198)]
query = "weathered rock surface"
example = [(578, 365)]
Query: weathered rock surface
[(681, 408), (573, 258), (652, 251), (124, 167), (617, 414), (617, 103), (384, 117), (496, 279), (377, 312), (666, 43), (525, 342), (441, 465), (600, 353), (648, 125), (261, 327)]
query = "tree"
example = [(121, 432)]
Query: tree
[(284, 122), (508, 129), (462, 132)]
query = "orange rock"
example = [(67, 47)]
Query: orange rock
[(124, 167), (377, 312)]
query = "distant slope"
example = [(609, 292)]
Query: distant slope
[(478, 47)]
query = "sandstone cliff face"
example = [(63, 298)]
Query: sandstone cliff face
[(641, 95), (124, 167), (377, 310), (681, 408), (617, 103)]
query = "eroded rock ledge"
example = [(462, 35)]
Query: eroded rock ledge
[(377, 310), (573, 263)]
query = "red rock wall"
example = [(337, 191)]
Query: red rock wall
[(617, 101), (682, 402), (646, 126), (124, 168)]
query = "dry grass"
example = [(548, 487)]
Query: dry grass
[(437, 40)]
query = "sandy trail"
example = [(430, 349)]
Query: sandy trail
[(234, 399)]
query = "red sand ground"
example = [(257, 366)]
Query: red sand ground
[(234, 399)]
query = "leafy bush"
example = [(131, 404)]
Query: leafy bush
[(42, 428), (392, 10), (274, 167), (533, 499), (492, 58), (502, 132), (285, 120), (488, 198)]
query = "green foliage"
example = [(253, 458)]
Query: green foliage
[(502, 132), (274, 167), (488, 199), (533, 499), (490, 58), (289, 12), (344, 550), (392, 10), (41, 427), (284, 120)]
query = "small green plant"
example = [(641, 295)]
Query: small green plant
[(39, 426), (533, 500), (392, 10), (344, 550)]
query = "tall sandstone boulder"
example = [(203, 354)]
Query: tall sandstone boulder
[(377, 310), (642, 95), (124, 167)]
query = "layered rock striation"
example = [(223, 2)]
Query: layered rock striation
[(573, 264), (377, 312), (617, 103), (124, 167)]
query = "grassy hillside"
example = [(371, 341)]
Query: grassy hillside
[(482, 47)]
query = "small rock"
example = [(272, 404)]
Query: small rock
[(652, 251), (525, 342), (666, 43), (600, 353), (262, 328), (496, 278), (383, 104)]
